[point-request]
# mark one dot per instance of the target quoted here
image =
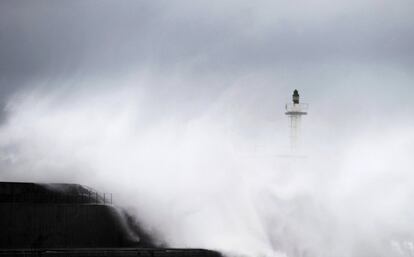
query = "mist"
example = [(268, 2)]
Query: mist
[(216, 179), (177, 109)]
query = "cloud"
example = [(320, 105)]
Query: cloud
[(83, 38)]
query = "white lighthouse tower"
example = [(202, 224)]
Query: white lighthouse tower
[(295, 111)]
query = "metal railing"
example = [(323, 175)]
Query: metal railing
[(301, 107), (53, 197)]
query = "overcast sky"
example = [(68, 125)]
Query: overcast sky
[(353, 47)]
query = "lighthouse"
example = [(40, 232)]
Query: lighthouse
[(295, 110)]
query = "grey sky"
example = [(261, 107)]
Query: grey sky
[(63, 39), (347, 53)]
